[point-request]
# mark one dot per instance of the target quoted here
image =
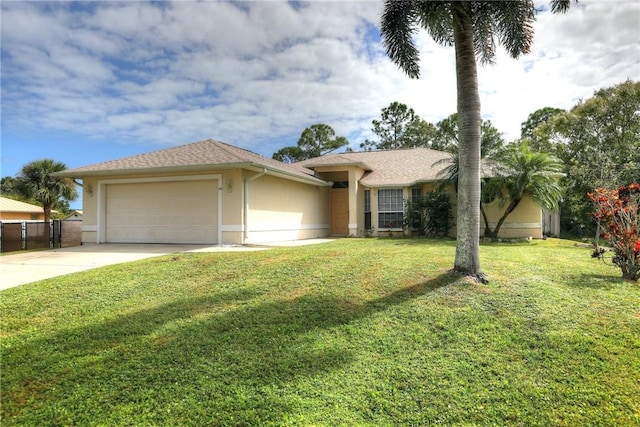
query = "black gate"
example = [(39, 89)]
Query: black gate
[(27, 235)]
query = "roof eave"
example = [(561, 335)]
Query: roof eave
[(292, 177), (398, 184), (361, 165), (257, 167)]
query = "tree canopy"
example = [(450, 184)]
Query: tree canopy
[(598, 141), (399, 127), (316, 140), (36, 181)]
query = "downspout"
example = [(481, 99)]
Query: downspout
[(246, 203)]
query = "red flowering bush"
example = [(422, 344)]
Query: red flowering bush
[(618, 213)]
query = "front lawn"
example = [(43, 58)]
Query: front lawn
[(354, 332)]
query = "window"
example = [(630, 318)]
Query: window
[(367, 209), (390, 208), (416, 194)]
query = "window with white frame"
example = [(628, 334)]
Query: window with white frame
[(390, 208)]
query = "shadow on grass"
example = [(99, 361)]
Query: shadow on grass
[(417, 240), (228, 358), (598, 281)]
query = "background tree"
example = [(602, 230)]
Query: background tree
[(420, 133), (8, 186), (447, 134), (399, 127), (315, 141), (447, 131), (491, 144), (471, 27), (598, 140), (534, 129), (36, 181), (520, 172)]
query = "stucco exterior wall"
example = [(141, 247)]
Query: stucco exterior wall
[(258, 208), (232, 182), (89, 210), (280, 210), (21, 216), (524, 221)]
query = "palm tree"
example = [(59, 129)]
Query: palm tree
[(36, 180), (524, 172), (471, 27)]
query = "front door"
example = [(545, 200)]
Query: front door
[(339, 211)]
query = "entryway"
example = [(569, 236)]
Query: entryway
[(339, 211)]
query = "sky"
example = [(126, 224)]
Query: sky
[(86, 82)]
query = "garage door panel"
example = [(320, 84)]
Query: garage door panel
[(162, 212)]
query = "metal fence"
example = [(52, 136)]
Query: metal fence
[(27, 235)]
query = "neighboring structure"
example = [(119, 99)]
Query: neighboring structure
[(209, 192), (76, 215), (14, 210)]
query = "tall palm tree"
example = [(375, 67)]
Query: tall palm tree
[(471, 27), (36, 180), (522, 172)]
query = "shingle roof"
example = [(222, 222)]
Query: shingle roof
[(403, 167), (195, 156), (10, 205)]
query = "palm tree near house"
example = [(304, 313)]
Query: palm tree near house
[(471, 27), (36, 181), (519, 172)]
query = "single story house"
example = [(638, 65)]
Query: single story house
[(210, 192), (75, 215), (14, 210)]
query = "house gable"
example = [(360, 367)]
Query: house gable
[(206, 192), (194, 158), (387, 168)]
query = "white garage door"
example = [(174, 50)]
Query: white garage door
[(162, 212)]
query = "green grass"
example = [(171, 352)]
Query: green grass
[(354, 332)]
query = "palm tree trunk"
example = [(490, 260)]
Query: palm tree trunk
[(46, 207), (512, 206), (487, 229), (467, 260)]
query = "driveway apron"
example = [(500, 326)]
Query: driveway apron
[(20, 268), (25, 267)]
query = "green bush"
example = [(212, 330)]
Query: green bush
[(430, 215)]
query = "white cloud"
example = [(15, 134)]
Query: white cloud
[(256, 74)]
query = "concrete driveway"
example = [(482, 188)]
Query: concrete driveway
[(20, 268)]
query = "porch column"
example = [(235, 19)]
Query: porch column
[(356, 209)]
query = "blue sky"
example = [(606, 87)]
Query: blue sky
[(85, 82)]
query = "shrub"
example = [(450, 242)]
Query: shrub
[(429, 215), (617, 212)]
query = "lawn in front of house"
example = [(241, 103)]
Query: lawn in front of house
[(353, 332)]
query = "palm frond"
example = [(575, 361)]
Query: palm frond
[(437, 19), (560, 6), (483, 31), (514, 25), (398, 28)]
